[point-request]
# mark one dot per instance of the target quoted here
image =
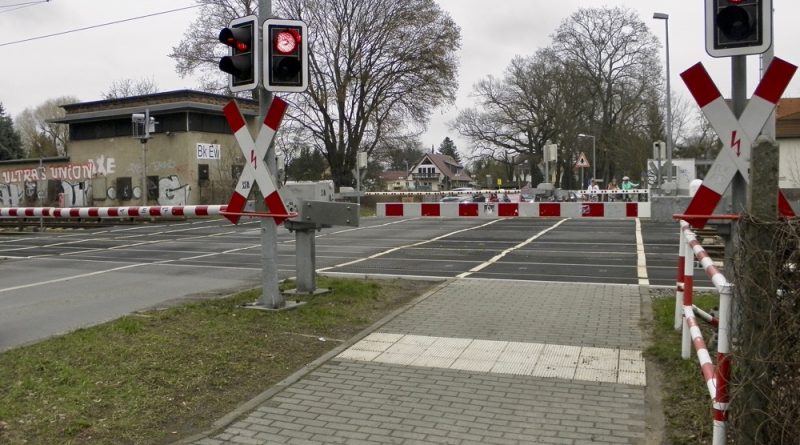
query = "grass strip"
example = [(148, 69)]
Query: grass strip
[(685, 398), (156, 376)]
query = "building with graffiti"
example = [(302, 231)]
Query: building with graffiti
[(171, 148)]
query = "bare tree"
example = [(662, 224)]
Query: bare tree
[(130, 87), (377, 68), (199, 51), (539, 100), (41, 138), (616, 55)]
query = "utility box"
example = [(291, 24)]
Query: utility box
[(296, 192), (314, 205)]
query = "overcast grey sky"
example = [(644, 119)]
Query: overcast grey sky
[(84, 64)]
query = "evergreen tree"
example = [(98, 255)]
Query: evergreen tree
[(10, 142), (310, 165), (404, 158), (448, 148)]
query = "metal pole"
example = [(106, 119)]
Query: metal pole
[(739, 100), (144, 155), (669, 109), (38, 192), (594, 160), (358, 181), (548, 149), (766, 59), (270, 293)]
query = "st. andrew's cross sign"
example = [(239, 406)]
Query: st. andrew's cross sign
[(737, 135)]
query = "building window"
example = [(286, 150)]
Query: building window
[(208, 123)]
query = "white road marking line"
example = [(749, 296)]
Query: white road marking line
[(510, 249), (641, 260), (611, 365), (349, 263), (65, 243), (114, 269)]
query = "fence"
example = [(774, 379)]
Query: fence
[(532, 195), (716, 377), (513, 209)]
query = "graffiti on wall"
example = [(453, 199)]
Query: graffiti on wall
[(71, 185), (77, 194), (69, 172), (171, 192), (10, 195), (74, 194)]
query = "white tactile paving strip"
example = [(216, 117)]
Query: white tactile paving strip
[(614, 365)]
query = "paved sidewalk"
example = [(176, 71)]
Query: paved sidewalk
[(473, 362)]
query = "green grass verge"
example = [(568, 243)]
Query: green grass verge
[(686, 402), (154, 377)]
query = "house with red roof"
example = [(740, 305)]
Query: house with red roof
[(437, 172)]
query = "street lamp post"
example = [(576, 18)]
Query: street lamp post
[(665, 18), (594, 154)]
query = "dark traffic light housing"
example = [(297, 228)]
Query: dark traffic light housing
[(241, 36), (738, 27), (285, 55)]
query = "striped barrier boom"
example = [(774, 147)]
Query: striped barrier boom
[(515, 209), (194, 211), (113, 212)]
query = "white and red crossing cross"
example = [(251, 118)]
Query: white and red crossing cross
[(737, 135), (255, 170)]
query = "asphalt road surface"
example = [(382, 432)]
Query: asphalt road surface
[(57, 281)]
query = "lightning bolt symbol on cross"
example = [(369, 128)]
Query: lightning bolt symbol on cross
[(736, 143)]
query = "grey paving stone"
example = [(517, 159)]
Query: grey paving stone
[(346, 401)]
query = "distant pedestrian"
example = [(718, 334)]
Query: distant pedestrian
[(612, 188), (627, 186), (593, 190), (505, 197)]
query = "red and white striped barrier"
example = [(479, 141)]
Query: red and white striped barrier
[(112, 212), (582, 193), (716, 377), (513, 209), (195, 211)]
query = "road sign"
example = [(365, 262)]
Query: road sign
[(255, 170), (582, 161), (737, 135)]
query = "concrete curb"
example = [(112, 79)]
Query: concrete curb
[(654, 415), (253, 403)]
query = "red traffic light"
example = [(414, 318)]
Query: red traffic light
[(239, 46), (241, 63), (285, 55), (237, 38), (287, 41)]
